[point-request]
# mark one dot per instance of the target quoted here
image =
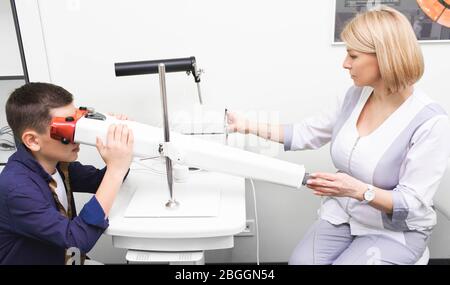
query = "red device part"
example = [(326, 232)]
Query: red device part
[(63, 128)]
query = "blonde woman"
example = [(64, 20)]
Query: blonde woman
[(389, 142)]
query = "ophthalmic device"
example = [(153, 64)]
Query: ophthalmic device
[(86, 125)]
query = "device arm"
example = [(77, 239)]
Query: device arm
[(191, 151)]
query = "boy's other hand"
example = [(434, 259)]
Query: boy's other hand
[(117, 152), (237, 123), (122, 117)]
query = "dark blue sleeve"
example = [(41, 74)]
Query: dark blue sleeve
[(86, 178), (33, 216)]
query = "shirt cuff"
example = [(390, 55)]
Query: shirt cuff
[(399, 212), (288, 132), (93, 214)]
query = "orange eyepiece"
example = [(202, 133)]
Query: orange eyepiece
[(63, 128)]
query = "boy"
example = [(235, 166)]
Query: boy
[(38, 220)]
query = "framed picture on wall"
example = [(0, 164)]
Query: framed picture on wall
[(428, 28)]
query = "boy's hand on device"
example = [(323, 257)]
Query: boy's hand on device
[(117, 151), (237, 123), (122, 117)]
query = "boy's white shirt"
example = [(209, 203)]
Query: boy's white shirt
[(61, 189)]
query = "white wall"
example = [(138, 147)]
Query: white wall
[(10, 63), (6, 87), (266, 55)]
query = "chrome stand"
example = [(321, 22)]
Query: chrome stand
[(172, 203)]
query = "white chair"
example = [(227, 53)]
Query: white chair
[(442, 204), (425, 257), (92, 262)]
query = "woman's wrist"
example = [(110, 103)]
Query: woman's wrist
[(359, 191)]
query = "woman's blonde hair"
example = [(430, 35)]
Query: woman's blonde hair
[(389, 35)]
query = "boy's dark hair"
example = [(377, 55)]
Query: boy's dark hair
[(29, 106)]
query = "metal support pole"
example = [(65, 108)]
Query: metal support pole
[(172, 203)]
